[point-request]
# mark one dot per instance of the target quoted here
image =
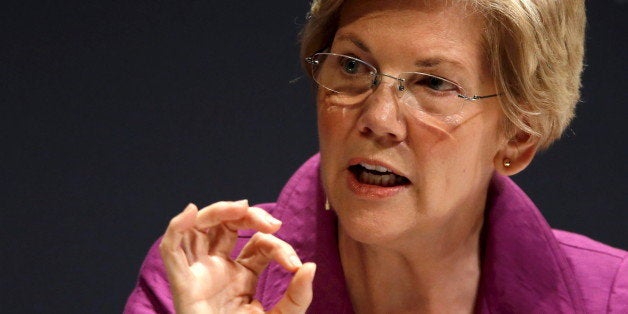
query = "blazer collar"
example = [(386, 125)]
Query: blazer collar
[(523, 268)]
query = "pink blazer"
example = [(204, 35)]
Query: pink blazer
[(526, 266)]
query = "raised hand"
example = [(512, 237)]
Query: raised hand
[(205, 279)]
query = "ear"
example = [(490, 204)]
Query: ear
[(516, 154)]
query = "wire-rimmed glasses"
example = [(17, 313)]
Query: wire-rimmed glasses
[(350, 80)]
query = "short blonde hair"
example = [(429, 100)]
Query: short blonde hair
[(535, 49)]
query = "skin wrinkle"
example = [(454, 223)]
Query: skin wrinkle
[(423, 119), (508, 26), (456, 62), (452, 67), (432, 225), (420, 117)]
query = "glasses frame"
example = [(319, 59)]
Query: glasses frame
[(313, 62)]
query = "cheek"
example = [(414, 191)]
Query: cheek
[(329, 125), (333, 131), (334, 125), (325, 123), (477, 143), (464, 150)]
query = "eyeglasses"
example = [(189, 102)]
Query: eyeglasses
[(351, 80)]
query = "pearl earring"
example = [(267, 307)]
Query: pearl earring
[(506, 162)]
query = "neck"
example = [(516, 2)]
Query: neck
[(439, 275)]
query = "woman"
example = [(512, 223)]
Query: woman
[(424, 109)]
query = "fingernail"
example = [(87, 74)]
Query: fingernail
[(243, 202), (295, 261), (272, 220), (190, 205)]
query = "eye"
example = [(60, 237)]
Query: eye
[(438, 84), (350, 66)]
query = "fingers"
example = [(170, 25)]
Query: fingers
[(213, 229), (221, 240), (299, 294), (222, 220), (220, 212), (195, 244), (170, 247), (257, 219), (262, 248), (224, 237), (236, 215)]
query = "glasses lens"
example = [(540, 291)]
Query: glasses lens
[(348, 79), (432, 94)]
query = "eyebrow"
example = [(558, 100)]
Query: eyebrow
[(428, 63), (352, 38), (436, 61)]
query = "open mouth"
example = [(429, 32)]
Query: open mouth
[(377, 175)]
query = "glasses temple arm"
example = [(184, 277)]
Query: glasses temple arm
[(476, 97)]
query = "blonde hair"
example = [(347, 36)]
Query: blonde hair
[(535, 50)]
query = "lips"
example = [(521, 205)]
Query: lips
[(377, 175)]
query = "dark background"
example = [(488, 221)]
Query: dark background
[(116, 114)]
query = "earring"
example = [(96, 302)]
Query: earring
[(327, 206), (506, 162)]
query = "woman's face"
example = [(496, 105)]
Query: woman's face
[(446, 161)]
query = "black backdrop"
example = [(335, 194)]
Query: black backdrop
[(115, 114)]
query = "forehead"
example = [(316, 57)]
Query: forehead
[(409, 10), (422, 29)]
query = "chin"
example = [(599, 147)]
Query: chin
[(372, 222)]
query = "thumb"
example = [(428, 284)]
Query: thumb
[(298, 296)]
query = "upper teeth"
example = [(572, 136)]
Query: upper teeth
[(374, 167)]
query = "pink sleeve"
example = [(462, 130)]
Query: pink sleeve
[(618, 301), (152, 292)]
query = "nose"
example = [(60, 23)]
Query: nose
[(381, 118)]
